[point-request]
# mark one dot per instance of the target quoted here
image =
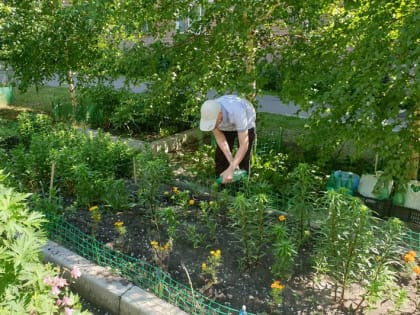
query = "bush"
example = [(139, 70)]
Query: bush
[(77, 165), (27, 286)]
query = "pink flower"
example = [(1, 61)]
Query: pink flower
[(68, 311), (60, 282), (66, 300), (75, 273), (47, 280), (55, 290)]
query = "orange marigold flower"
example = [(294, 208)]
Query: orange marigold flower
[(408, 258), (412, 253), (93, 208), (277, 285), (282, 218), (416, 269)]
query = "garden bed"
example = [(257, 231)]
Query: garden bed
[(230, 247), (237, 284)]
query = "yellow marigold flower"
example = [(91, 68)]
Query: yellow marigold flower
[(412, 253), (154, 244), (408, 258), (212, 252), (282, 218), (218, 253), (119, 223), (166, 193), (416, 269), (167, 246), (175, 189), (203, 266), (93, 208), (277, 285), (191, 202)]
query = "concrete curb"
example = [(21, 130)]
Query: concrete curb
[(169, 144), (106, 290)]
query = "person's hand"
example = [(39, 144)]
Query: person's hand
[(227, 175)]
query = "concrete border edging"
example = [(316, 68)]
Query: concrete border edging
[(109, 291)]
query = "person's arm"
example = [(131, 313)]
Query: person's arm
[(222, 143), (239, 156)]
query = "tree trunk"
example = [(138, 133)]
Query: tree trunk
[(72, 90), (250, 61), (413, 165), (250, 69)]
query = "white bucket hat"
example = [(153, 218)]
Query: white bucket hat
[(209, 112)]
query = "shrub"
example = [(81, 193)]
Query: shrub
[(74, 163), (24, 285)]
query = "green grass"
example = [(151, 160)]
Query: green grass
[(272, 122), (39, 100)]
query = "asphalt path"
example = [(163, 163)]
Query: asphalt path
[(266, 103)]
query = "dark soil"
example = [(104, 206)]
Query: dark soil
[(237, 285)]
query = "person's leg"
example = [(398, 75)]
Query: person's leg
[(246, 162), (221, 162)]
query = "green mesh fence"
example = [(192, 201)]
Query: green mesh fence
[(269, 141), (412, 240), (141, 273)]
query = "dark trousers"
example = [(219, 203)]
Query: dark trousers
[(231, 136)]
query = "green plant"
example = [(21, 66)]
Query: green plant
[(181, 197), (303, 185), (62, 109), (170, 217), (381, 280), (161, 253), (30, 124), (249, 223), (96, 218), (201, 163), (8, 131), (284, 249), (27, 286), (114, 194), (49, 205), (194, 236), (153, 172), (271, 167), (277, 294), (210, 269), (355, 247), (208, 213), (121, 230), (85, 166)]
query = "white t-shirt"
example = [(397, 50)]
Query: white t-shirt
[(238, 113)]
